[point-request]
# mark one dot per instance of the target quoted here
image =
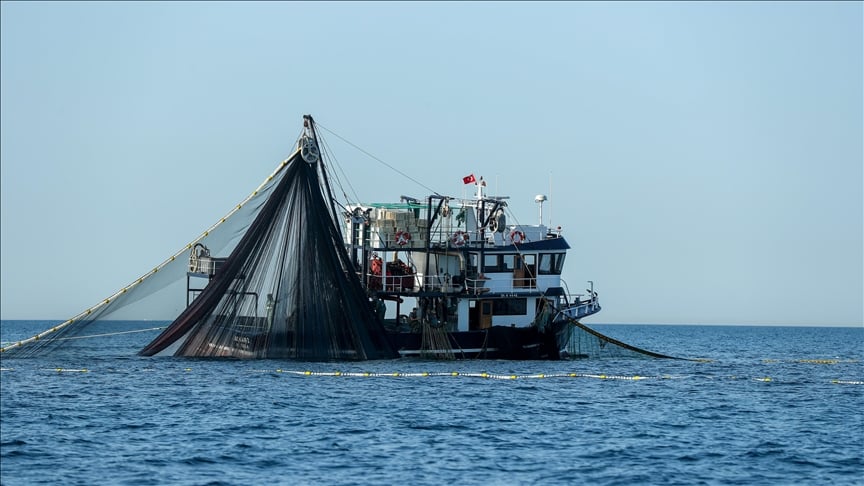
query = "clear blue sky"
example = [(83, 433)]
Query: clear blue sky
[(705, 158)]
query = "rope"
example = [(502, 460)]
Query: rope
[(112, 333), (327, 153), (483, 348), (489, 376), (453, 341), (394, 169), (435, 343)]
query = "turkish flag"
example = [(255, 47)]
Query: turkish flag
[(468, 179)]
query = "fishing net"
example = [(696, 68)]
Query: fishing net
[(286, 288), (581, 342)]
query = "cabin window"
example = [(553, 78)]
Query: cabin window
[(508, 262), (499, 262), (490, 263), (510, 307), (551, 264), (545, 267), (473, 263)]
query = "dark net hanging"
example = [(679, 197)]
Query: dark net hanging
[(287, 290)]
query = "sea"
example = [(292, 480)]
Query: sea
[(750, 405)]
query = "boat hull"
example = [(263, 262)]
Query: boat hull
[(496, 342)]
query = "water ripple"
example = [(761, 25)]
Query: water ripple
[(193, 422)]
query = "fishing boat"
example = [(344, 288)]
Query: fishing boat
[(293, 273), (464, 283)]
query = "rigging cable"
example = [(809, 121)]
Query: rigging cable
[(112, 333), (380, 161), (327, 152)]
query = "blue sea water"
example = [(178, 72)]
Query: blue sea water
[(770, 405)]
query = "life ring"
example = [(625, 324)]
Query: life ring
[(459, 238), (517, 237), (402, 238)]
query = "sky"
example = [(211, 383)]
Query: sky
[(703, 159)]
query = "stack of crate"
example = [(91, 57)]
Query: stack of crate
[(385, 226), (418, 233), (387, 223)]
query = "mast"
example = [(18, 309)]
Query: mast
[(312, 154)]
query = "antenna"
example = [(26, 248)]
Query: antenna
[(539, 199), (550, 195)]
